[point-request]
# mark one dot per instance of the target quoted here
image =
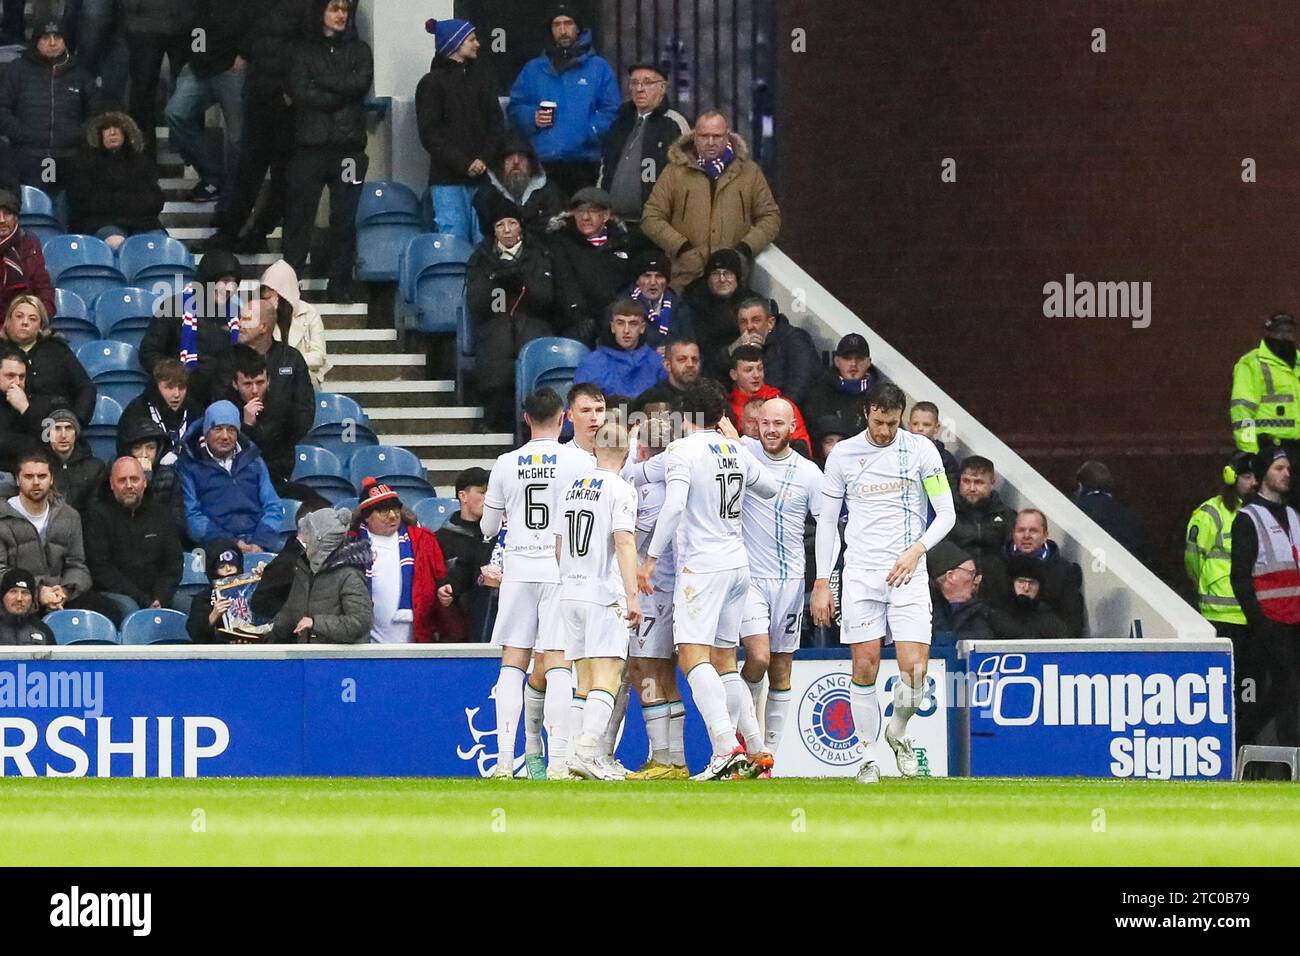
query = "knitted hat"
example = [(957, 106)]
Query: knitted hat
[(448, 35), (655, 262), (220, 413), (569, 10), (217, 264), (725, 259), (17, 578), (222, 551), (68, 416), (1024, 566), (1264, 459), (9, 200), (376, 496)]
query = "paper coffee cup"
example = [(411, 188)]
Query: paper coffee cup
[(547, 105)]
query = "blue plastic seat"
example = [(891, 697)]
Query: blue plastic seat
[(388, 217), (84, 264), (257, 561), (153, 625), (72, 319), (384, 462), (124, 314), (433, 513), (155, 256), (431, 283), (467, 348), (383, 201), (81, 627), (343, 439), (288, 515), (101, 432), (322, 471), (114, 368), (194, 579), (39, 215), (349, 503), (548, 363), (333, 408)]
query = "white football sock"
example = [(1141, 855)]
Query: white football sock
[(559, 699), (615, 722), (534, 703), (510, 704), (595, 718), (906, 703), (677, 733), (657, 729), (711, 701), (575, 721), (740, 708), (774, 714), (866, 717), (755, 690)]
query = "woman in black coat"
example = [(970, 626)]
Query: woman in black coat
[(53, 371), (113, 184)]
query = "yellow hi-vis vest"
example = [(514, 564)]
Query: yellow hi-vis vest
[(1264, 399), (1208, 559)]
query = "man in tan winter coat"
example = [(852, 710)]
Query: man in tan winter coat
[(712, 196)]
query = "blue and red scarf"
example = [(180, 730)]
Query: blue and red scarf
[(714, 168), (660, 316), (405, 560), (190, 324)]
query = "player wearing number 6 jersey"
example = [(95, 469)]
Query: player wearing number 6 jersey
[(886, 476), (521, 490), (773, 532), (598, 598), (708, 475)]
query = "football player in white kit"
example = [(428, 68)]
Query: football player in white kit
[(651, 663), (886, 476), (773, 530), (708, 475), (599, 594), (522, 491)]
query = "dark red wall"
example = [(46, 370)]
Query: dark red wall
[(1117, 166)]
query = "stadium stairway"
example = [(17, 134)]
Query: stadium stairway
[(370, 364)]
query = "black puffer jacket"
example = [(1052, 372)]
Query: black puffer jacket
[(459, 118), (158, 17), (53, 372), (228, 26), (164, 480), (24, 631), (328, 82), (114, 188), (587, 278), (287, 412), (715, 323), (136, 553), (280, 26), (43, 104), (149, 406), (982, 530), (526, 288), (78, 478)]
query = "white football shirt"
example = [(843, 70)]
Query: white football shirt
[(523, 485), (592, 507), (886, 492), (774, 527), (648, 479), (717, 472)]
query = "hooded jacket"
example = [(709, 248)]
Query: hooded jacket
[(1020, 619), (587, 98), (164, 481), (78, 478), (790, 360), (328, 82), (1061, 592), (287, 412), (982, 530), (26, 249), (689, 217), (136, 553), (620, 371), (26, 630), (43, 104), (307, 330), (54, 372), (663, 127), (459, 119), (20, 434), (541, 199), (587, 278), (114, 188), (59, 559), (329, 584), (240, 503), (714, 318)]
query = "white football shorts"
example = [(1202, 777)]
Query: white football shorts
[(870, 608)]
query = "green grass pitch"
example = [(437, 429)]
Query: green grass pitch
[(933, 822)]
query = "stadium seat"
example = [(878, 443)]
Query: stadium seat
[(433, 513), (81, 627), (39, 216), (332, 408), (342, 438), (466, 348), (124, 314), (114, 368), (431, 283), (289, 515), (548, 363), (396, 467), (84, 264), (321, 470), (72, 319), (101, 433), (153, 625), (257, 561), (194, 579), (349, 503), (388, 217), (155, 257)]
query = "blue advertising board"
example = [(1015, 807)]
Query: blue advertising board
[(262, 715), (1160, 711)]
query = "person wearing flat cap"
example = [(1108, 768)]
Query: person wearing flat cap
[(958, 614), (20, 618), (593, 263), (1265, 580)]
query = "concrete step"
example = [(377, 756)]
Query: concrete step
[(363, 341), (400, 421), (442, 472), (451, 445), (375, 394), (372, 367)]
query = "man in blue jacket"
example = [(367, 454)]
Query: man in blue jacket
[(586, 98), (622, 363), (228, 491)]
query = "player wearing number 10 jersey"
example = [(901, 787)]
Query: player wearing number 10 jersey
[(522, 491)]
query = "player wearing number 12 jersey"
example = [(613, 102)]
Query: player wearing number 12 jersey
[(887, 477), (522, 491), (708, 475)]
